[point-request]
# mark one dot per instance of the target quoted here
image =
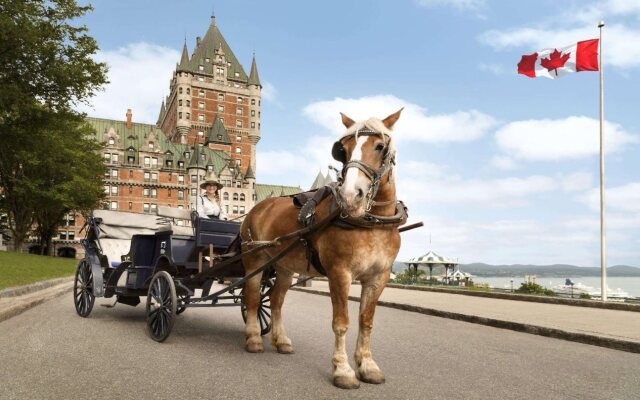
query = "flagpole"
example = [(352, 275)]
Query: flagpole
[(603, 258)]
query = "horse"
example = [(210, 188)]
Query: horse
[(366, 254)]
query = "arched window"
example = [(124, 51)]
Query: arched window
[(242, 197), (225, 196), (188, 91), (179, 90), (188, 103), (235, 196), (180, 103)]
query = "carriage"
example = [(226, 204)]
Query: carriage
[(163, 258)]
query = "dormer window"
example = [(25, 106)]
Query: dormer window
[(180, 164), (112, 141), (228, 64), (201, 67), (187, 154), (237, 74), (219, 137), (151, 145), (207, 60)]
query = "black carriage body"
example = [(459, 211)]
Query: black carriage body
[(179, 254)]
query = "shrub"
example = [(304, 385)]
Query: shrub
[(534, 288)]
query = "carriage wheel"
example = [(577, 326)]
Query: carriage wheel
[(83, 297), (264, 308), (161, 306), (182, 300)]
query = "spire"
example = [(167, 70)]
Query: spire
[(195, 160), (254, 79), (184, 60), (162, 112), (250, 174), (217, 133), (319, 182)]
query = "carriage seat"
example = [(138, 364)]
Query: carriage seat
[(114, 249), (171, 218)]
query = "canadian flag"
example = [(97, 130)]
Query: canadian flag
[(554, 63)]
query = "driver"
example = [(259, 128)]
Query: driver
[(209, 204)]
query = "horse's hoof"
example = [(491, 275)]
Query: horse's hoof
[(375, 377), (285, 349), (346, 382), (254, 348)]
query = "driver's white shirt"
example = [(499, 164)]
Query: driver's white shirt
[(207, 207)]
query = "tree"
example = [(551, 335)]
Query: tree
[(64, 187), (45, 69)]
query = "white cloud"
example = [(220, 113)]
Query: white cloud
[(561, 139), (475, 7), (504, 163), (622, 42), (139, 75), (576, 182), (624, 198), (414, 123), (269, 92)]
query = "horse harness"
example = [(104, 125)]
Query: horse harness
[(308, 201)]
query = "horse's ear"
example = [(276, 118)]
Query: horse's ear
[(348, 122), (391, 120)]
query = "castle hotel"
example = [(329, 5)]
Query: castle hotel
[(209, 123)]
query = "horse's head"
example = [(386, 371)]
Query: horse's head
[(367, 152)]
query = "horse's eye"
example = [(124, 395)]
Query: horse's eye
[(380, 147)]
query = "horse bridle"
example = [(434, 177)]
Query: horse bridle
[(374, 175)]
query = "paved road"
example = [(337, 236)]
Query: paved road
[(49, 352)]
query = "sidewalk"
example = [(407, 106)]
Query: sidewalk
[(14, 301), (608, 328)]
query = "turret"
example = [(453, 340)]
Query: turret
[(183, 97), (255, 90)]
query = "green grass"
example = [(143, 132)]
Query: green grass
[(22, 269)]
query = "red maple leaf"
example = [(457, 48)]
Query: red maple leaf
[(556, 60)]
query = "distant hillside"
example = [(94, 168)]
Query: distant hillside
[(561, 270)]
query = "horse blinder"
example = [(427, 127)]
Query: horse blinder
[(338, 152)]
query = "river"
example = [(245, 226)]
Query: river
[(630, 285)]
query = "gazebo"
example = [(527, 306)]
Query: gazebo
[(431, 260)]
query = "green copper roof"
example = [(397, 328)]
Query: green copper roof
[(136, 136), (217, 133), (265, 191), (212, 41), (254, 79), (184, 59), (196, 160)]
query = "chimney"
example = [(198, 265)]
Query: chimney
[(129, 118), (198, 40)]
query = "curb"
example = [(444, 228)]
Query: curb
[(18, 305), (611, 343), (34, 287)]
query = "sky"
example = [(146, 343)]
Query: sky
[(501, 168)]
